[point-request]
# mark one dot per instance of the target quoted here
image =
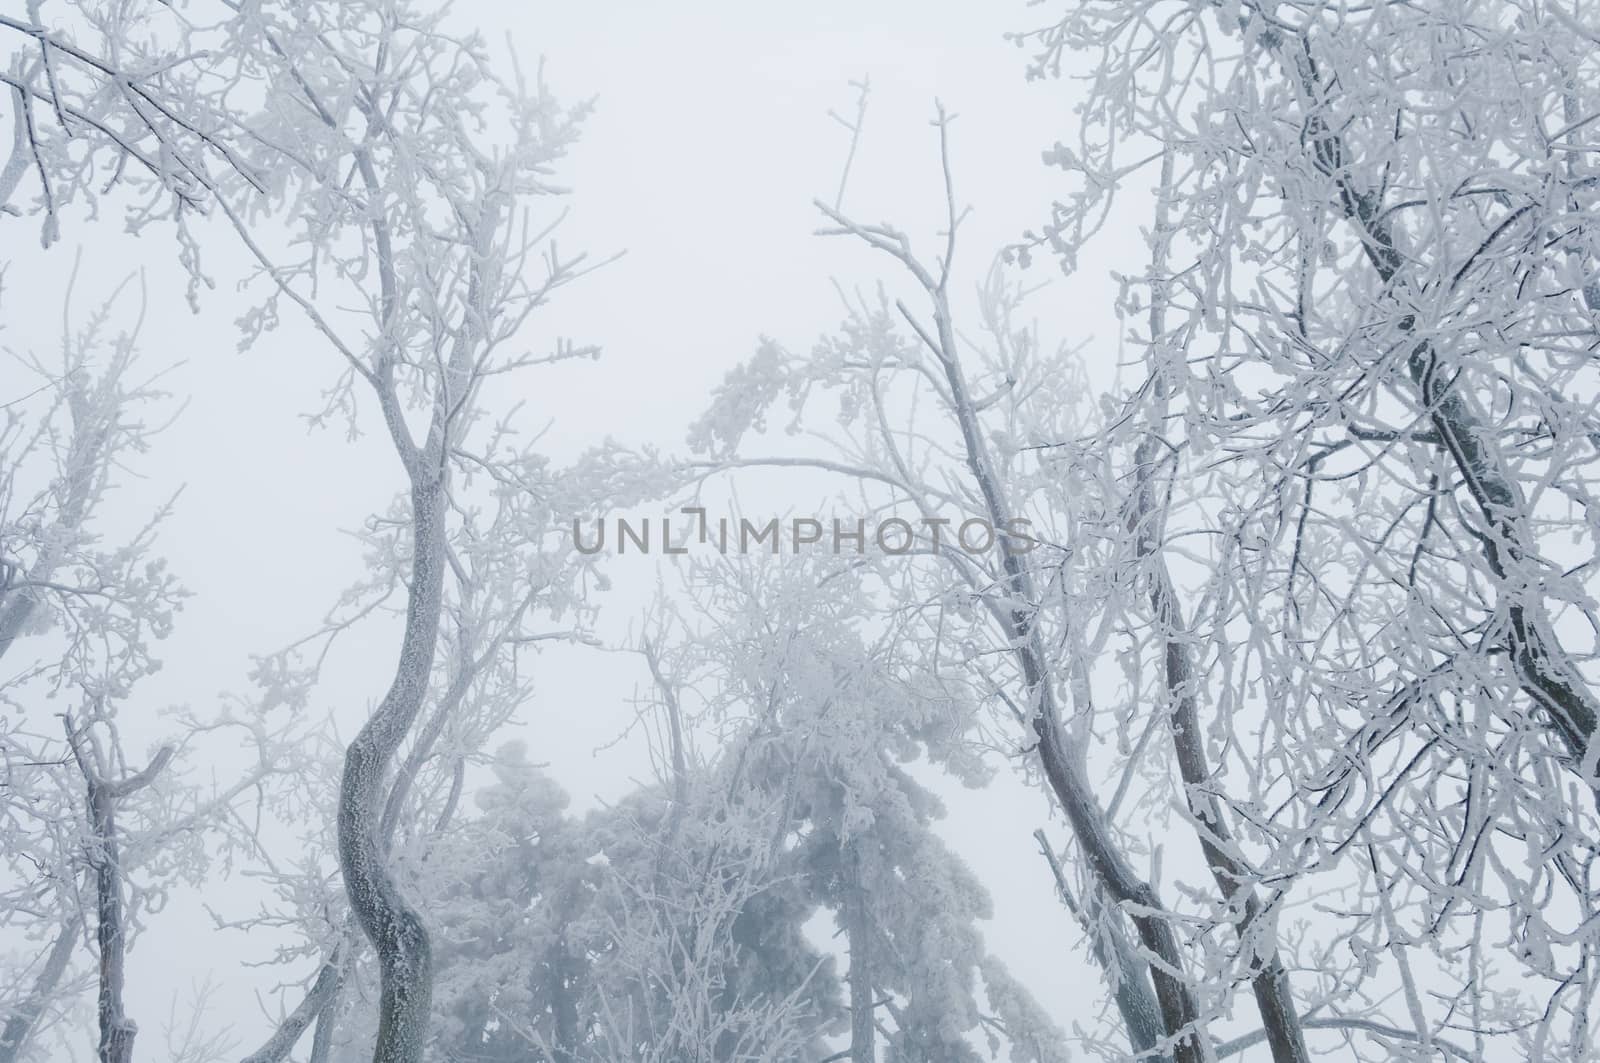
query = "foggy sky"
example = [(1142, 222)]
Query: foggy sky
[(710, 139)]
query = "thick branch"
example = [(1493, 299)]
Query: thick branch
[(282, 1041), (1129, 976), (117, 1031), (25, 1015), (1544, 669), (1268, 978)]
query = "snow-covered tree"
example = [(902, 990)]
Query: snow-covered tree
[(96, 834), (1278, 600), (661, 928), (1367, 452), (826, 720), (941, 426), (406, 207)]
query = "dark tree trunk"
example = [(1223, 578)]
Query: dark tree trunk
[(1180, 1014), (858, 931), (564, 1004), (117, 1030), (1129, 975)]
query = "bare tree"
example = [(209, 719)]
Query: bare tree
[(1002, 580), (437, 214), (1376, 297), (117, 1030), (90, 614)]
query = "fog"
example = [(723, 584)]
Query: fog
[(700, 186)]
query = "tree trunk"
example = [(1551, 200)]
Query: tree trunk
[(1179, 1011), (858, 932), (405, 958), (1129, 976), (1544, 669), (328, 1016), (1268, 978), (563, 1002), (117, 1031)]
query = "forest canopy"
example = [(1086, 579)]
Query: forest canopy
[(1263, 619)]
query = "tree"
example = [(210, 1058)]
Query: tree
[(614, 935), (79, 621), (825, 715), (430, 235), (105, 97), (672, 925), (1368, 313), (116, 1029), (96, 610), (1287, 617), (968, 469)]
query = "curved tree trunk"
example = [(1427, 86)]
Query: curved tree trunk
[(319, 1006), (405, 958), (395, 928)]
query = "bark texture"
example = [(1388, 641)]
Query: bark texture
[(1129, 975), (858, 931), (395, 928), (117, 1030)]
